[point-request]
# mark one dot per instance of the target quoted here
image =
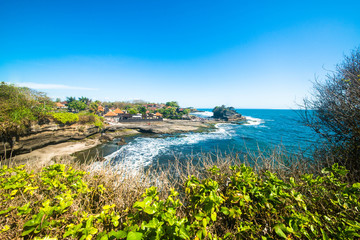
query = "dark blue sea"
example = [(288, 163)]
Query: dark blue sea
[(264, 131)]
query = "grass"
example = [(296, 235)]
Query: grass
[(216, 197)]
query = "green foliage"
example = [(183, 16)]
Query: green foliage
[(186, 111), (172, 104), (236, 205), (172, 111), (91, 118), (93, 107), (65, 118), (76, 105), (205, 201), (168, 112), (132, 111), (61, 184), (82, 117), (19, 106), (156, 219), (142, 110), (85, 100)]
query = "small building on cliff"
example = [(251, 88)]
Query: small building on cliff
[(111, 116)]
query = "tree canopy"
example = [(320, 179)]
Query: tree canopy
[(334, 111), (172, 104)]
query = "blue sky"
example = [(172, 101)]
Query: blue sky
[(247, 54)]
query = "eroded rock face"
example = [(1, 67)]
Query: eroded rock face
[(40, 136), (165, 127)]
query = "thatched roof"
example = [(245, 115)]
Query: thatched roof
[(118, 111), (110, 114), (59, 104)]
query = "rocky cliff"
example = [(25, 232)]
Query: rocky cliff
[(39, 136)]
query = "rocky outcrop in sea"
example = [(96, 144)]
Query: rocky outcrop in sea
[(227, 114)]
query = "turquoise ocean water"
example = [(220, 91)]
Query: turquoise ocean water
[(264, 130)]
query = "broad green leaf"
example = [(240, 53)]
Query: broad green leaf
[(105, 237), (213, 216), (118, 235), (225, 210), (279, 231), (183, 233), (27, 232), (138, 205), (134, 236), (150, 210), (93, 230)]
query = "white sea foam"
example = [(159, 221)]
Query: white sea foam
[(205, 114), (251, 121), (142, 151)]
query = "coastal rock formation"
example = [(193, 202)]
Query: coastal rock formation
[(106, 138), (121, 142), (227, 114), (164, 127), (39, 136)]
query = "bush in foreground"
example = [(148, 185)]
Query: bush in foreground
[(60, 202)]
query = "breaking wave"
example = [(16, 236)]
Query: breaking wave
[(142, 151), (263, 129), (205, 114), (251, 121)]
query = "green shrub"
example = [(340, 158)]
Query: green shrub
[(82, 117), (99, 122), (86, 118), (91, 118), (19, 106), (58, 202), (65, 118)]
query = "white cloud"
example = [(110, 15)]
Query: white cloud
[(52, 86)]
